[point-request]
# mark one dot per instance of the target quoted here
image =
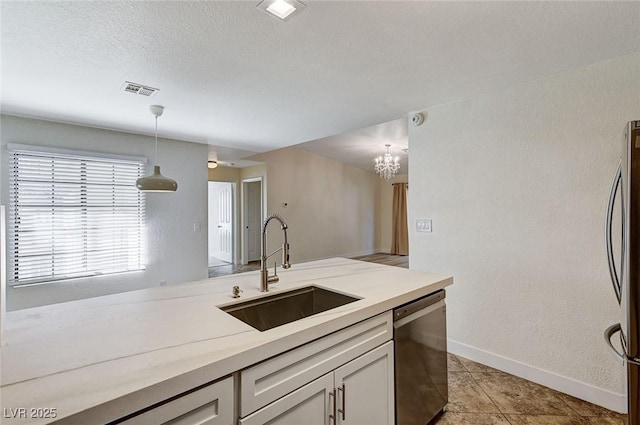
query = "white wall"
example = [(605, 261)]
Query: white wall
[(175, 253), (516, 182), (331, 206)]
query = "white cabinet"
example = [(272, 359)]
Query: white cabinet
[(272, 379), (364, 389), (358, 393), (210, 405), (310, 405), (207, 404)]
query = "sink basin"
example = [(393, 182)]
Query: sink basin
[(275, 310)]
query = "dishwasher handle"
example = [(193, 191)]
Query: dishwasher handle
[(417, 314)]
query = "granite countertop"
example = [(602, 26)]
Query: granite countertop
[(102, 353)]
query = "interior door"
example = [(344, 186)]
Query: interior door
[(221, 221), (365, 389)]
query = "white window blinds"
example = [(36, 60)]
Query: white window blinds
[(73, 215)]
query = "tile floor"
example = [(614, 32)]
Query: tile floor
[(386, 259), (228, 268), (480, 395)]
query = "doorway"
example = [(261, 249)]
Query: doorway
[(220, 219), (252, 213)]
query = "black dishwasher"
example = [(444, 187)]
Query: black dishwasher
[(420, 337)]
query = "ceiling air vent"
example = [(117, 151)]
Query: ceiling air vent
[(140, 89)]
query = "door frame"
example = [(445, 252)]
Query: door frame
[(245, 212)]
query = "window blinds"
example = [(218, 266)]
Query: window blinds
[(73, 215)]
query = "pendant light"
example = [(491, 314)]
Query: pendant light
[(156, 182)]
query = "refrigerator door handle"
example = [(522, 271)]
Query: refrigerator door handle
[(610, 206), (612, 330)]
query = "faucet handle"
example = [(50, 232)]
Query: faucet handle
[(273, 278)]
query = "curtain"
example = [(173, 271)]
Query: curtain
[(400, 234)]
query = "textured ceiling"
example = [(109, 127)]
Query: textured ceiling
[(231, 76), (360, 147)]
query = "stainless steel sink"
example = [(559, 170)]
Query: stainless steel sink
[(275, 310)]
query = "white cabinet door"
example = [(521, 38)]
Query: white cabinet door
[(309, 405), (365, 389)]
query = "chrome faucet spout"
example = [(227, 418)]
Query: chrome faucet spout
[(265, 279)]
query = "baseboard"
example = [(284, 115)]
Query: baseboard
[(581, 390)]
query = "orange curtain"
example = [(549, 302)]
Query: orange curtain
[(400, 234)]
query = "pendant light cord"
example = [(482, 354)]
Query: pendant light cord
[(156, 163)]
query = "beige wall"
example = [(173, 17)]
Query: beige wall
[(224, 174), (259, 170), (385, 212), (516, 182), (305, 181), (331, 207)]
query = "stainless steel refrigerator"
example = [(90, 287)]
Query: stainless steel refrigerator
[(623, 252)]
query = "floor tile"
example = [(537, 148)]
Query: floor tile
[(513, 395), (466, 396), (453, 364), (617, 415), (472, 366), (228, 269), (603, 421), (452, 418), (584, 408), (545, 420), (386, 259)]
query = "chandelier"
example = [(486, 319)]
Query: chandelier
[(387, 166)]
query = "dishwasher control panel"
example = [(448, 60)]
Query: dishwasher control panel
[(419, 304)]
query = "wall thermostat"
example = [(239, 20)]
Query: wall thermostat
[(417, 118)]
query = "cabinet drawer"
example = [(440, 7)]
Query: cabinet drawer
[(211, 405), (309, 405), (267, 381)]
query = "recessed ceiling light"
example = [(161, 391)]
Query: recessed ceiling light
[(281, 9)]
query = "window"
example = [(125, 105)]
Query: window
[(73, 214)]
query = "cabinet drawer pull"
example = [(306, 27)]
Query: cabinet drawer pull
[(332, 408), (344, 396)]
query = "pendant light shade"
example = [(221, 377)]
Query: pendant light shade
[(156, 182)]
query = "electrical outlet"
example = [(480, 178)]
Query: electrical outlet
[(163, 283), (423, 225), (197, 226)]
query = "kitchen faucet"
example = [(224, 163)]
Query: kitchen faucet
[(265, 279)]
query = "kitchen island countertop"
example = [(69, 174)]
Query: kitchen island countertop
[(106, 353)]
